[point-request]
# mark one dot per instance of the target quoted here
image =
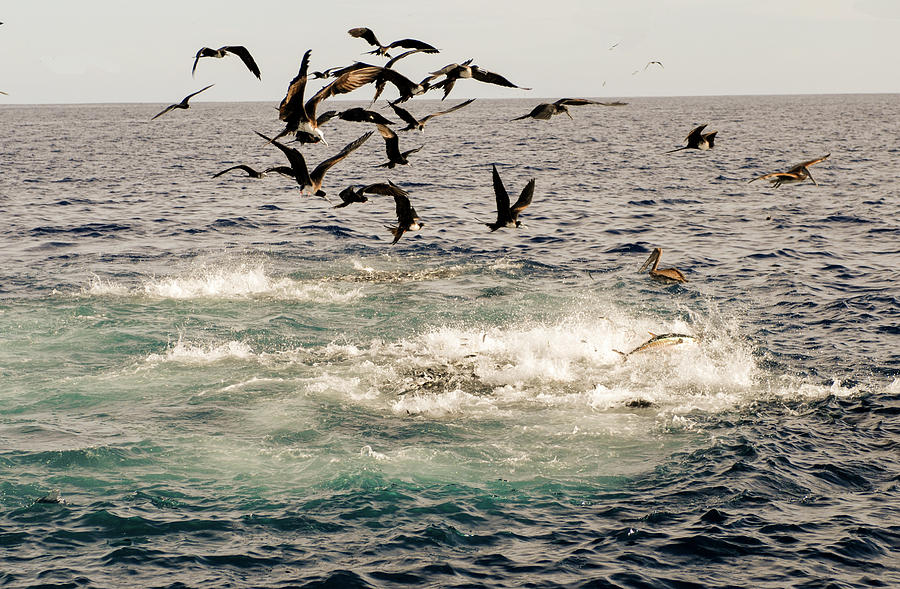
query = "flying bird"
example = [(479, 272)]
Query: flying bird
[(508, 216), (545, 110), (414, 123), (250, 171), (649, 63), (665, 275), (455, 71), (312, 183), (797, 174), (380, 49), (361, 115), (351, 195), (238, 50), (407, 218), (697, 139), (182, 104), (392, 146)]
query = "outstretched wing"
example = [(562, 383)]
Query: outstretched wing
[(542, 112), (291, 108), (164, 111), (320, 170), (246, 168), (502, 197), (367, 34), (414, 44), (811, 162), (192, 94), (524, 200), (405, 115), (344, 83), (298, 164), (696, 133), (389, 189), (449, 110), (492, 78), (575, 101), (245, 56)]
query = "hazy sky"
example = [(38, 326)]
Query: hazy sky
[(62, 51)]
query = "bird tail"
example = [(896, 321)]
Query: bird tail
[(674, 150)]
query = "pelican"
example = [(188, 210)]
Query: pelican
[(250, 171), (392, 146), (407, 218), (414, 123), (697, 139), (546, 110), (369, 36), (238, 50), (455, 71), (351, 195), (797, 174), (301, 117), (508, 216), (361, 115), (665, 275), (312, 183), (182, 104)]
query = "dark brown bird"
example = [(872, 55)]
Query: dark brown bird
[(369, 36), (665, 275), (361, 115), (455, 71), (407, 218), (182, 104), (414, 123), (392, 146), (405, 87), (508, 216), (797, 174), (545, 110), (250, 171), (238, 50), (312, 183), (351, 195), (697, 139)]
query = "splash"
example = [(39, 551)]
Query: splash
[(194, 353)]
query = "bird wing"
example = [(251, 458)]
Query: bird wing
[(247, 169), (492, 78), (367, 34), (405, 213), (320, 170), (575, 101), (283, 170), (202, 52), (404, 114), (710, 138), (298, 164), (391, 143), (449, 110), (394, 60), (524, 200), (389, 189), (502, 197), (414, 44), (164, 111), (344, 83), (245, 56), (811, 162), (695, 133), (191, 95), (325, 117), (291, 108), (784, 175), (542, 111)]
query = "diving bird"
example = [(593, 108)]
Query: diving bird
[(238, 50), (312, 183), (697, 139), (371, 39), (546, 110), (797, 174), (392, 146), (665, 275), (351, 195), (407, 218), (455, 71), (508, 216), (182, 104), (414, 123), (361, 115), (250, 171)]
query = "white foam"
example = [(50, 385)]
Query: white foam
[(202, 353)]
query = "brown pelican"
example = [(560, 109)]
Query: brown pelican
[(250, 171), (380, 49), (361, 115), (351, 195), (392, 146), (312, 183), (407, 218), (414, 123), (238, 50), (182, 104), (455, 71), (697, 139), (546, 110), (665, 275), (798, 173), (508, 216)]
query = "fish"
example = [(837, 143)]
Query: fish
[(664, 340)]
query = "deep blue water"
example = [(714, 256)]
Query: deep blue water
[(233, 385)]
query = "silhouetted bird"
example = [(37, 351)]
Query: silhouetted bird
[(238, 50), (392, 146), (182, 104), (361, 115), (250, 171), (455, 71), (350, 195), (798, 173), (407, 218), (508, 216), (414, 123), (546, 110), (697, 139), (380, 49)]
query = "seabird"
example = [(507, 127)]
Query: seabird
[(455, 71), (182, 104), (361, 115), (798, 173), (351, 195), (407, 218), (250, 171), (649, 63), (665, 275), (238, 50), (546, 110), (312, 183), (392, 146), (414, 123), (405, 87), (697, 139), (380, 49), (508, 216)]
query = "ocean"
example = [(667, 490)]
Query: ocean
[(220, 382)]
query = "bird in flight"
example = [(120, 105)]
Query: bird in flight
[(649, 63), (546, 110), (414, 123), (508, 216), (797, 174), (407, 218), (238, 50), (250, 171), (351, 195), (455, 71), (361, 115), (392, 146), (182, 104), (697, 139), (371, 39)]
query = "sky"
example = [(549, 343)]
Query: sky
[(95, 51)]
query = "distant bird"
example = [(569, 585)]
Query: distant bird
[(508, 216), (238, 50), (649, 63), (697, 139), (665, 275), (546, 110), (614, 45), (182, 104), (797, 174), (392, 146), (455, 71), (380, 49), (414, 123), (407, 218), (1, 91), (351, 195), (312, 183), (361, 115), (250, 171)]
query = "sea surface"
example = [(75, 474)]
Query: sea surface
[(220, 382)]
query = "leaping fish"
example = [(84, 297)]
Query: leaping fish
[(664, 340)]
